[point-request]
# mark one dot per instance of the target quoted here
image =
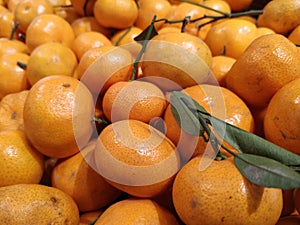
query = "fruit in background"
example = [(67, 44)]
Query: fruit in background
[(36, 204), (234, 34), (83, 8), (57, 116), (294, 36), (136, 158), (8, 46), (87, 40), (7, 24), (167, 59), (136, 100), (270, 62), (129, 211), (240, 5), (20, 163), (209, 197), (11, 111), (12, 76), (282, 16), (119, 14), (49, 59), (88, 217), (27, 10), (77, 178), (282, 118), (49, 28)]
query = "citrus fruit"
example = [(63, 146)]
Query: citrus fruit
[(130, 211), (294, 35), (268, 63), (137, 100), (282, 117), (57, 116), (82, 7), (78, 179), (20, 162), (7, 24), (8, 46), (136, 158), (240, 5), (51, 58), (88, 217), (209, 197), (117, 14), (36, 204)]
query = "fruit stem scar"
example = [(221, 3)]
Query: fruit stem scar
[(22, 65)]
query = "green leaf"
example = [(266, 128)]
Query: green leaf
[(187, 118), (145, 35), (266, 172)]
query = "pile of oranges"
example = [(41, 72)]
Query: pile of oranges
[(87, 131)]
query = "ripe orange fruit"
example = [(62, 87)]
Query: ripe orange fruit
[(20, 163), (168, 56), (8, 46), (129, 211), (76, 177), (219, 102), (234, 34), (221, 64), (149, 8), (7, 24), (117, 14), (263, 31), (82, 7), (12, 76), (12, 4), (169, 29), (136, 158), (87, 24), (88, 217), (49, 59), (240, 5), (27, 10), (207, 196), (3, 8), (289, 220), (49, 28), (136, 100), (88, 40), (11, 111), (36, 204), (269, 62), (282, 16), (282, 117), (118, 64), (294, 36), (297, 199), (57, 116)]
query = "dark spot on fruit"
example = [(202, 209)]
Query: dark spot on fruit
[(13, 116), (230, 197), (66, 85), (223, 219), (53, 199), (193, 203)]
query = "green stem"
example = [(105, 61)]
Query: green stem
[(22, 65), (100, 121), (122, 36), (138, 58), (13, 31)]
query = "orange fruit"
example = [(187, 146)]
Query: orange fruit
[(169, 29), (288, 202), (118, 64), (7, 24), (136, 158), (125, 38), (176, 2), (294, 36), (20, 163), (263, 31), (11, 111), (207, 196), (57, 116), (82, 7), (67, 12), (240, 5), (36, 204), (297, 199), (282, 16), (132, 211), (289, 220), (88, 40), (12, 4), (49, 59), (268, 63), (138, 100), (166, 59), (117, 14), (27, 10), (87, 24), (221, 64), (149, 8), (3, 8), (12, 76), (235, 34), (76, 177), (88, 217), (282, 117), (8, 46), (49, 28), (219, 102)]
